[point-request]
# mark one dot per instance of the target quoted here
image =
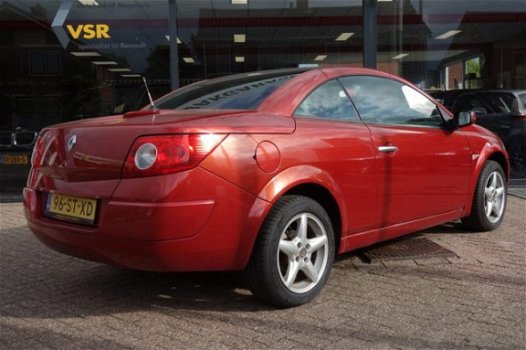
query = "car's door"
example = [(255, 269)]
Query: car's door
[(339, 143), (422, 168)]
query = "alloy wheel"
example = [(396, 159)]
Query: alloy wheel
[(494, 197), (303, 253)]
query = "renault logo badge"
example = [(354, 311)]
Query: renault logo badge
[(72, 142)]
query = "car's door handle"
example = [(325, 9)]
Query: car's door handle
[(388, 149)]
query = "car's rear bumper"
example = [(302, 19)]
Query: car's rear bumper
[(168, 235)]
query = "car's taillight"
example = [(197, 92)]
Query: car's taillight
[(165, 154), (39, 149)]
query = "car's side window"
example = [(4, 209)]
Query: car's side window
[(470, 103), (328, 101), (386, 101)]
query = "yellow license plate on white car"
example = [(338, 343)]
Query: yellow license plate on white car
[(69, 208)]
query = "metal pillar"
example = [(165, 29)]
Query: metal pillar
[(370, 32), (174, 56)]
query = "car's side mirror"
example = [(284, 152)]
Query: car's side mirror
[(465, 118)]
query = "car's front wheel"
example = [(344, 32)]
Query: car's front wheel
[(489, 201), (294, 252)]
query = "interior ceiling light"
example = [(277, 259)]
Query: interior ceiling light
[(320, 57), (240, 38), (344, 36), (104, 63), (448, 35), (89, 2), (119, 70), (85, 53), (240, 59), (308, 65), (168, 38), (400, 56), (385, 0), (131, 75), (189, 59), (239, 2)]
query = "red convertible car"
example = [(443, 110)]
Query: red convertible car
[(272, 173)]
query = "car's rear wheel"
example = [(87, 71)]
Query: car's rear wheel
[(489, 201), (293, 256)]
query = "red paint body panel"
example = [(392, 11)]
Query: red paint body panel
[(208, 217), (428, 175), (186, 234)]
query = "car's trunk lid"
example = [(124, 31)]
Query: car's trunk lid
[(95, 149)]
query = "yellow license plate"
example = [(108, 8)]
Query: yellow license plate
[(14, 159), (69, 208)]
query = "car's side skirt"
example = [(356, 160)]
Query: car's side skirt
[(364, 239)]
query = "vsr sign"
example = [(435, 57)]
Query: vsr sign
[(89, 31)]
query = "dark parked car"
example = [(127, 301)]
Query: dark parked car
[(501, 111), (15, 157)]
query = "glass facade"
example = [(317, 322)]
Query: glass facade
[(454, 44), (64, 60), (223, 37)]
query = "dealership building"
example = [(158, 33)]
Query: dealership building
[(73, 59)]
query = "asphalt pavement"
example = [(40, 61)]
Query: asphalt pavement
[(472, 300)]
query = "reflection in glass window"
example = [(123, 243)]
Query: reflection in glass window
[(386, 101), (328, 101), (233, 94), (224, 38), (417, 102)]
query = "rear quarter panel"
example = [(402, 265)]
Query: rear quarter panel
[(335, 155)]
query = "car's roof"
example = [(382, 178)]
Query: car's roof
[(263, 74)]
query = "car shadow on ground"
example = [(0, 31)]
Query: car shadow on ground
[(40, 277), (454, 227), (50, 283)]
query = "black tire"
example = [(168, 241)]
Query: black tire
[(489, 200), (279, 270)]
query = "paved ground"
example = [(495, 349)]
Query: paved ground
[(478, 300)]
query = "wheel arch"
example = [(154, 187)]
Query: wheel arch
[(311, 182), (503, 162), (303, 180), (324, 197)]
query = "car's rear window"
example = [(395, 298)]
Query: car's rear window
[(237, 94)]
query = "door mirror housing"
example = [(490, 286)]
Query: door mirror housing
[(465, 118)]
